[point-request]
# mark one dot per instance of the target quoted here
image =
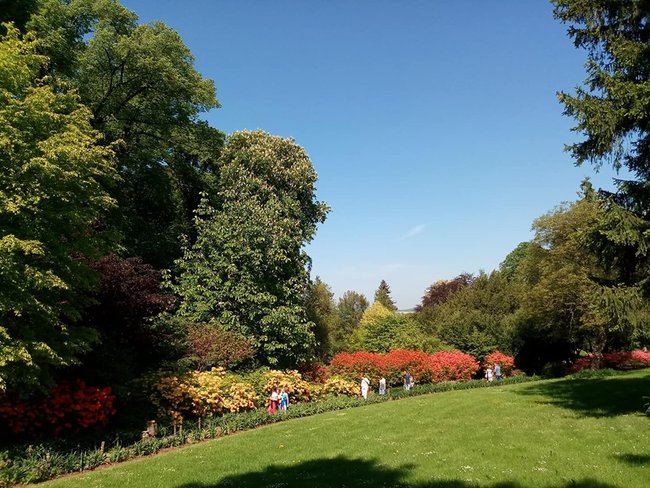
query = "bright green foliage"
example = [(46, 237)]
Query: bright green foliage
[(376, 312), (510, 265), (53, 177), (568, 298), (389, 332), (382, 295), (321, 311), (476, 319), (247, 269), (350, 308), (140, 82), (381, 330)]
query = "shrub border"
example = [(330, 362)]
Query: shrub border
[(32, 464)]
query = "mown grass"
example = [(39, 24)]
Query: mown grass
[(556, 433)]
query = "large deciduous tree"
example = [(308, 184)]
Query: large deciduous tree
[(140, 83), (53, 201), (350, 308), (567, 301), (247, 270)]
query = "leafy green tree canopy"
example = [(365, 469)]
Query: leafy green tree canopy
[(141, 85), (248, 270), (53, 175)]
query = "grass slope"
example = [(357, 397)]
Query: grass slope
[(556, 433)]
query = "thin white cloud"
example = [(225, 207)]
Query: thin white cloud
[(414, 231)]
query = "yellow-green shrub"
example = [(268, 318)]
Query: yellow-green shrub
[(201, 394), (338, 386), (297, 388)]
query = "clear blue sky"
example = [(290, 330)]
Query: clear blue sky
[(433, 125)]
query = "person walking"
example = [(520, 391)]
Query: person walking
[(365, 385), (407, 381), (489, 374), (273, 401), (284, 400), (382, 386)]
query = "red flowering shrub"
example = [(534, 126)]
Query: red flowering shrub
[(452, 366), (353, 365), (506, 362), (314, 372), (425, 368), (627, 360), (396, 362), (623, 360), (67, 408)]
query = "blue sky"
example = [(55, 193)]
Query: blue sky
[(434, 125)]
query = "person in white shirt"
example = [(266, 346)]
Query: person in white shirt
[(365, 385)]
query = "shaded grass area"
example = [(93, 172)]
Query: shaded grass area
[(557, 433)]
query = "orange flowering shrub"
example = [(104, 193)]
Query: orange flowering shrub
[(297, 388), (506, 362)]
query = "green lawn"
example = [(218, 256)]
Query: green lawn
[(556, 433)]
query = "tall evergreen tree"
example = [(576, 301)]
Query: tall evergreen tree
[(611, 111), (382, 295)]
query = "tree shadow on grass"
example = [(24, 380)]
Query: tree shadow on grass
[(594, 397), (352, 473), (634, 459)]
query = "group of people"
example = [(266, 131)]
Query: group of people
[(409, 383), (278, 401), (493, 372)]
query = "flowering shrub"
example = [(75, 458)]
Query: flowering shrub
[(627, 360), (297, 388), (337, 386), (452, 366), (314, 372), (425, 368), (201, 394), (353, 365), (623, 360), (506, 362), (67, 408)]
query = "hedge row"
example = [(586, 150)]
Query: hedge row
[(42, 462)]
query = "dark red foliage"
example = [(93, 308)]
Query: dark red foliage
[(129, 289), (67, 408), (314, 372), (214, 347), (128, 294), (440, 291)]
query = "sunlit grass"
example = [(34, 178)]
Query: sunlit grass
[(553, 433)]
